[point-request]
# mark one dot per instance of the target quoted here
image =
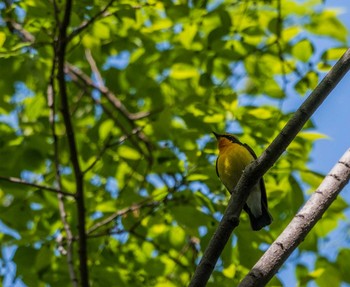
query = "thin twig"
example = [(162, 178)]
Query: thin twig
[(38, 186), (74, 158), (94, 68), (16, 27), (122, 212), (87, 23), (109, 144)]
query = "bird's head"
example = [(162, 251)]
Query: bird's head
[(225, 140)]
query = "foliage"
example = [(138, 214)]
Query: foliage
[(147, 83)]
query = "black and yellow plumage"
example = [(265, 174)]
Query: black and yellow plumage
[(233, 158)]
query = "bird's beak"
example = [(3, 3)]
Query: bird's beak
[(217, 135)]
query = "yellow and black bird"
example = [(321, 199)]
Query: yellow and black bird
[(233, 158)]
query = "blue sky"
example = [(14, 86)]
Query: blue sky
[(333, 117)]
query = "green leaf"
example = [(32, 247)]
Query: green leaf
[(333, 54), (105, 129), (326, 23), (177, 237), (43, 259), (101, 31), (189, 217), (303, 50), (128, 152), (24, 258), (302, 274), (106, 206), (197, 177), (187, 35), (312, 178), (35, 107), (325, 226), (330, 274), (312, 136), (183, 71), (343, 264), (230, 271), (296, 194), (2, 38), (308, 82)]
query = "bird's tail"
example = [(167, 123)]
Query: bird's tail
[(261, 221)]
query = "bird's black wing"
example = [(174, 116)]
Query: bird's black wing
[(261, 181), (250, 150), (216, 167)]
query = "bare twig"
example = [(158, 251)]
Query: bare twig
[(61, 51), (109, 144), (87, 23), (301, 225), (122, 212), (94, 67), (15, 27), (257, 169), (38, 186)]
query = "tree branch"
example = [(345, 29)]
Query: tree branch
[(51, 99), (257, 169), (301, 224), (61, 50), (111, 97), (38, 186)]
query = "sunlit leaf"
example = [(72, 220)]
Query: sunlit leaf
[(183, 71), (303, 50), (2, 39)]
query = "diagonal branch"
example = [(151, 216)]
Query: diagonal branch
[(111, 97), (76, 73), (60, 54), (257, 169), (38, 186), (301, 225)]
